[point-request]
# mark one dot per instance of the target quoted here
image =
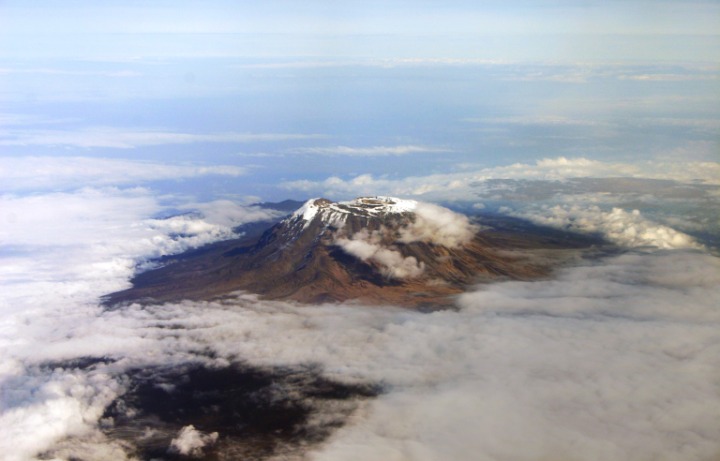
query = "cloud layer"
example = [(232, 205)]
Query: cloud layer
[(458, 186), (59, 253), (631, 203), (595, 365), (625, 228), (373, 151), (130, 139), (611, 359), (41, 173), (599, 363)]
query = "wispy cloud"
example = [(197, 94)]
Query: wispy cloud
[(40, 173), (19, 119), (372, 151), (705, 124), (381, 63), (583, 72), (542, 120), (669, 77), (125, 73), (132, 138), (514, 70)]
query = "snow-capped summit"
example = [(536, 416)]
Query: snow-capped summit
[(336, 213)]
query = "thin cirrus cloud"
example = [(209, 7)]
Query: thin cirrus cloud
[(372, 151), (382, 63), (75, 73), (129, 139), (543, 120), (584, 73), (37, 173)]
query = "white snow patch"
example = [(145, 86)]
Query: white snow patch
[(337, 213), (379, 204), (307, 212)]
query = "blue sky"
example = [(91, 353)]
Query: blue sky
[(334, 29), (363, 17), (306, 91)]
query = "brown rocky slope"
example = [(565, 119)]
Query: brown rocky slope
[(375, 250)]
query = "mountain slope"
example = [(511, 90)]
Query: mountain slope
[(375, 250)]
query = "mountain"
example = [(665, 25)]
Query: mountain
[(285, 205), (376, 250)]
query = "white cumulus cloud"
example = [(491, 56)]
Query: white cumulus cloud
[(368, 247), (190, 441), (465, 185), (430, 223), (627, 228), (438, 225)]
